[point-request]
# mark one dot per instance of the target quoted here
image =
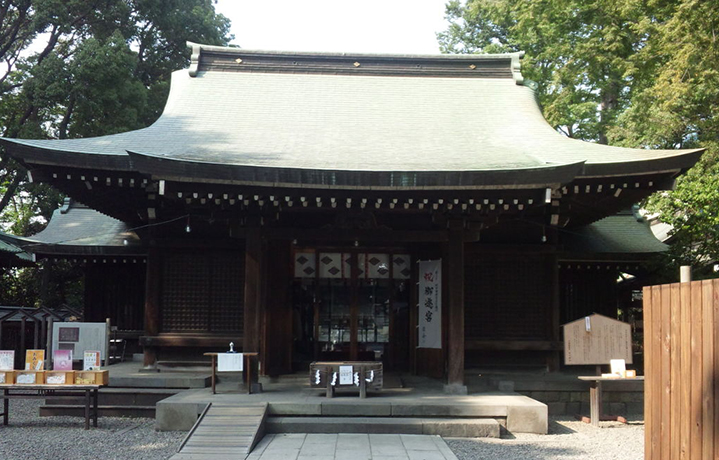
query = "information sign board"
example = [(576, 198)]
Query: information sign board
[(597, 339)]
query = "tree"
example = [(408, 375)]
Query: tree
[(103, 67), (80, 68), (578, 52), (626, 72), (679, 109)]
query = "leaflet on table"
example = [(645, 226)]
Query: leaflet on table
[(7, 360), (91, 361), (35, 360), (56, 379), (62, 360)]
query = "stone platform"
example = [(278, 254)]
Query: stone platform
[(419, 409)]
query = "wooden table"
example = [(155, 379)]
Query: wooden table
[(595, 395), (249, 365), (20, 391)]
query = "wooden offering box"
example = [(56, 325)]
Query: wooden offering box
[(30, 377), (92, 377), (346, 375), (7, 376), (59, 377)]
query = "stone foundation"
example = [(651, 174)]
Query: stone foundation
[(614, 402), (567, 395)]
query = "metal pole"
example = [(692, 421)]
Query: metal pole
[(107, 342), (685, 274)]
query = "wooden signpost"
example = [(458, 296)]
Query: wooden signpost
[(598, 340)]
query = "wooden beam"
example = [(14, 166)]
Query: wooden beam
[(513, 345), (188, 340), (364, 235)]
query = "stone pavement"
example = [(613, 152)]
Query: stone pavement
[(296, 446)]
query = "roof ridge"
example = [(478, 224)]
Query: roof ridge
[(225, 58)]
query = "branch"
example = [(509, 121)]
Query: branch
[(10, 35), (54, 37), (62, 129), (11, 189)]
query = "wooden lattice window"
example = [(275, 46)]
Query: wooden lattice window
[(202, 291), (507, 297)]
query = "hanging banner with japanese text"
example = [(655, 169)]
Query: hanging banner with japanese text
[(430, 304)]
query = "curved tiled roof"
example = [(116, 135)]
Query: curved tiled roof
[(76, 229), (317, 115), (623, 233), (12, 254)]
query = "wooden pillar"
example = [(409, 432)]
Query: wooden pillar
[(555, 332), (153, 284), (48, 336), (35, 334), (413, 318), (254, 290), (354, 308), (279, 314), (43, 337), (455, 329), (23, 338)]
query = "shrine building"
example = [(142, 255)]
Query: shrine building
[(293, 203)]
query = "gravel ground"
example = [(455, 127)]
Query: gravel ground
[(568, 439), (43, 438), (29, 436)]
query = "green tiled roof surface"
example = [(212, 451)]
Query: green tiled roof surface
[(325, 121), (621, 233), (9, 248), (78, 225)]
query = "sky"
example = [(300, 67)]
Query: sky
[(359, 26)]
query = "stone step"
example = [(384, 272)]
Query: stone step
[(103, 411), (450, 427), (378, 407), (162, 380), (119, 397)]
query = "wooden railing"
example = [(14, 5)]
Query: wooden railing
[(681, 346)]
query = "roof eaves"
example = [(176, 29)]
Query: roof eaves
[(50, 152), (678, 161), (164, 167)]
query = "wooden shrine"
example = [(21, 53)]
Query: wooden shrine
[(283, 200)]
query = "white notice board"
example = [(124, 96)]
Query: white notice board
[(597, 339), (79, 337), (229, 362)]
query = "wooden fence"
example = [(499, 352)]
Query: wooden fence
[(681, 366)]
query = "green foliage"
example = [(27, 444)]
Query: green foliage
[(577, 51), (74, 68), (50, 284), (633, 73)]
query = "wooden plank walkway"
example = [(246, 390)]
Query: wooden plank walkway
[(224, 431)]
